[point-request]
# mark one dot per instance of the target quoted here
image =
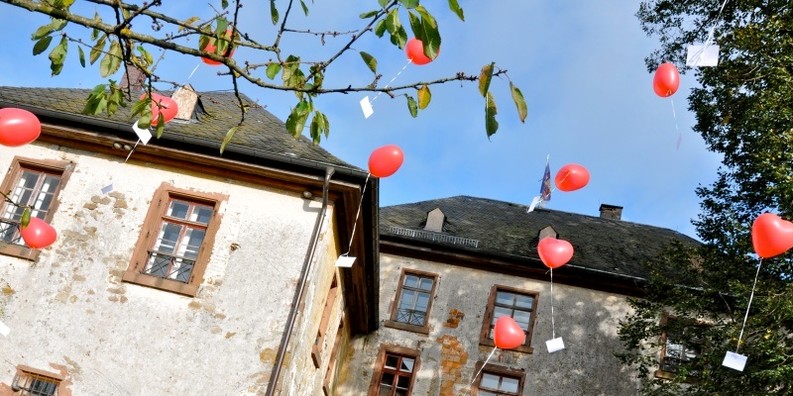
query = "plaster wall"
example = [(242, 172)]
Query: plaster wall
[(586, 320), (70, 307)]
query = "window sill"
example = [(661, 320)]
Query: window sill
[(19, 251), (408, 327), (523, 348), (185, 289)]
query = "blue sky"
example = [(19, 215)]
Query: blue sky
[(580, 66)]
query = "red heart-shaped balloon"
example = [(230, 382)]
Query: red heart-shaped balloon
[(771, 235), (38, 234), (554, 253), (571, 177), (507, 333)]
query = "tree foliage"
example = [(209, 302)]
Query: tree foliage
[(744, 111), (122, 35)]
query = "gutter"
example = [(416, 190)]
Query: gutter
[(290, 322)]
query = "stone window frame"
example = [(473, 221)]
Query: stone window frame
[(19, 164), (25, 376), (392, 321), (151, 228), (500, 371), (484, 335), (661, 372), (324, 322), (379, 366)]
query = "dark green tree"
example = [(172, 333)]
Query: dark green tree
[(744, 111)]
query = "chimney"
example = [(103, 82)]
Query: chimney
[(186, 99), (133, 79), (611, 212), (435, 220)]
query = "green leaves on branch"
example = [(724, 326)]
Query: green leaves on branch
[(25, 220), (491, 125), (455, 7), (108, 99), (43, 38), (297, 118), (58, 56), (425, 28), (229, 135), (273, 12), (319, 127), (370, 61), (520, 102), (111, 62), (412, 106), (424, 96)]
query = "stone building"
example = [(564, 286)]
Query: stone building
[(179, 270)]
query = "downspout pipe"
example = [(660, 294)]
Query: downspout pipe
[(290, 321)]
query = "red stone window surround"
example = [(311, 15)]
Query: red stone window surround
[(411, 308), (520, 304), (37, 184), (395, 371), (176, 240), (32, 381), (496, 380)]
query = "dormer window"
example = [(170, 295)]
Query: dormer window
[(435, 219), (547, 232)]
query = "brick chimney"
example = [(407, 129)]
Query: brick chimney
[(133, 79), (612, 212)]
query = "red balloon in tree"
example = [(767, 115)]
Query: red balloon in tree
[(415, 52), (164, 105), (386, 160), (554, 253), (771, 235), (212, 47), (666, 80), (38, 234), (507, 333), (571, 177), (18, 127)]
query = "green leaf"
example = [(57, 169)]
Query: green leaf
[(305, 8), (273, 12), (189, 22), (145, 119), (455, 7), (383, 3), (42, 31), (424, 96), (491, 125), (409, 4), (272, 70), (82, 55), (58, 24), (139, 106), (145, 56), (370, 61), (520, 102), (368, 14), (111, 61), (412, 106), (160, 126), (484, 78), (58, 56), (427, 32), (42, 45), (25, 220), (224, 4), (319, 127), (297, 118), (95, 32), (97, 49), (229, 135), (380, 28), (94, 99)]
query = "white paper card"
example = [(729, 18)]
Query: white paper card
[(701, 55), (4, 330), (345, 261), (556, 344), (735, 361), (366, 106), (108, 188), (143, 134), (534, 202)]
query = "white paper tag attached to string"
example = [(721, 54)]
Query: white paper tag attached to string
[(735, 361), (143, 134), (366, 106), (108, 188), (4, 330), (345, 261), (554, 345), (702, 55)]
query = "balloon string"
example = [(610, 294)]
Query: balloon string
[(751, 297), (674, 116), (357, 214), (553, 324), (130, 151), (194, 70), (392, 80), (483, 365)]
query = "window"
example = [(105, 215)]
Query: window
[(498, 381), (413, 302), (176, 240), (324, 322), (33, 183), (30, 381), (518, 304), (394, 371), (681, 346)]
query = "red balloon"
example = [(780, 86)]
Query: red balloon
[(771, 235), (167, 107), (18, 127), (571, 177), (38, 234), (666, 80), (554, 253), (211, 48), (415, 52), (386, 160), (507, 333)]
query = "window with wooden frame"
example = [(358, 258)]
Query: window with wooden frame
[(329, 380), (517, 303), (31, 381), (176, 241), (395, 371), (33, 183), (681, 346), (498, 381), (324, 322), (411, 308)]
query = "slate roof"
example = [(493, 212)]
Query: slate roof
[(505, 230), (262, 132)]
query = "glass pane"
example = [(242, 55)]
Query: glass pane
[(426, 284), (407, 365), (387, 379), (169, 235), (499, 312), (504, 298), (202, 214), (522, 301), (178, 209), (401, 392), (192, 242), (489, 381), (423, 302), (403, 382), (486, 393), (408, 299), (385, 389), (523, 318), (182, 269), (51, 183), (509, 384), (411, 281), (391, 361)]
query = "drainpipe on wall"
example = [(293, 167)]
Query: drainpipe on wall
[(290, 321)]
